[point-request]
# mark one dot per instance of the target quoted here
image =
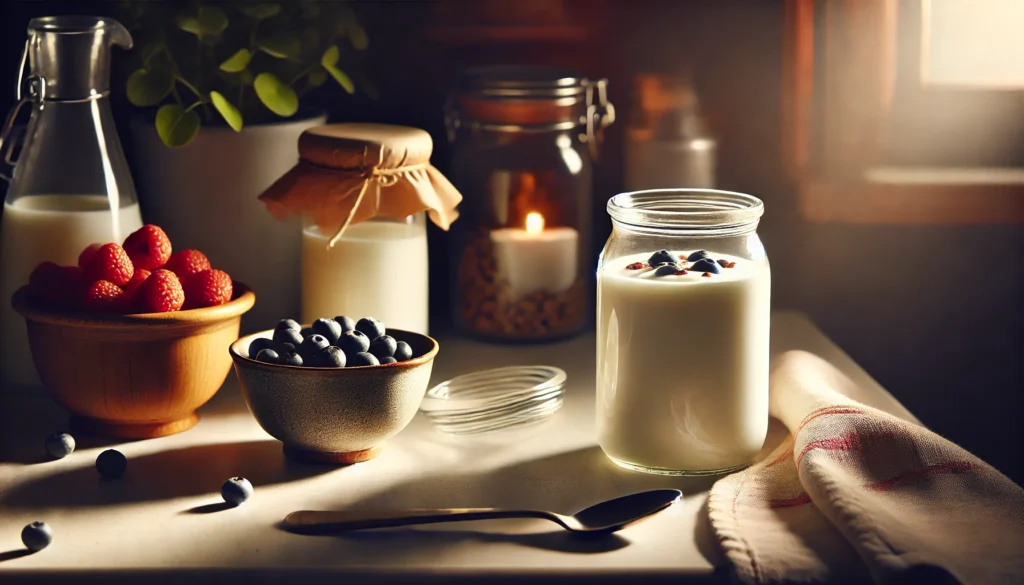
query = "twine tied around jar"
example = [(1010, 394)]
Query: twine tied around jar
[(369, 173), (338, 164)]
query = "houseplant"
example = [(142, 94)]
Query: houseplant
[(219, 86)]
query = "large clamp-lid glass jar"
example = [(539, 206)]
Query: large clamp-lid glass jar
[(524, 140)]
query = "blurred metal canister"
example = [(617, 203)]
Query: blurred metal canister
[(667, 142)]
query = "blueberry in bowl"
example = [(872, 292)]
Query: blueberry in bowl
[(340, 406)]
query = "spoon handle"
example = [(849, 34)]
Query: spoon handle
[(316, 522)]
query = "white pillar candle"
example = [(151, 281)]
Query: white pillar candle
[(536, 258)]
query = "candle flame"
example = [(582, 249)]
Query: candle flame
[(534, 223)]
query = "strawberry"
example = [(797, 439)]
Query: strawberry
[(103, 296), (140, 276), (208, 288), (148, 247), (87, 255), (160, 293), (57, 286), (110, 262), (187, 262)]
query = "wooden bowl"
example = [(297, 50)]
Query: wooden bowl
[(133, 376), (335, 415)]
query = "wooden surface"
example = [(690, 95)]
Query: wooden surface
[(164, 521)]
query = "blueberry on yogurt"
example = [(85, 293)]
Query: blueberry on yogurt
[(666, 269), (36, 536), (662, 257), (698, 255), (706, 265)]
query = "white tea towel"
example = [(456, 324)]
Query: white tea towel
[(856, 494)]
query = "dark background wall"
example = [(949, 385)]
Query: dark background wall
[(933, 313)]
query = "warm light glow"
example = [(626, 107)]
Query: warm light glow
[(534, 223)]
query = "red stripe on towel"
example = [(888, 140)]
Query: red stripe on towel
[(849, 442), (800, 500), (949, 467), (825, 411)]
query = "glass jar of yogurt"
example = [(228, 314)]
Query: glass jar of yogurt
[(683, 299)]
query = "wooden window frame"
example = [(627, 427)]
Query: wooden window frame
[(835, 106)]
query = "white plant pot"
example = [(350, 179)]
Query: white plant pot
[(204, 195)]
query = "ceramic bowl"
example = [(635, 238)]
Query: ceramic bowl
[(133, 376), (335, 415)]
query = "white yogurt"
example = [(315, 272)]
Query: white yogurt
[(43, 228), (377, 269), (682, 365)]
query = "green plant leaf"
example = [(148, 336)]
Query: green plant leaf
[(277, 96), (237, 62), (341, 77), (212, 20), (227, 111), (209, 22), (317, 77), (148, 87), (176, 126), (330, 57), (259, 10), (357, 36), (281, 45)]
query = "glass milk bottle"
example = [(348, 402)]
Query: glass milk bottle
[(683, 295), (70, 185)]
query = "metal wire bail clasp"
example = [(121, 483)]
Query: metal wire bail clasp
[(29, 90), (600, 114)]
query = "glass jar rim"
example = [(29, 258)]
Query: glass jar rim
[(705, 211)]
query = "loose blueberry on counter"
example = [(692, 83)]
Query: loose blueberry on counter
[(698, 255), (371, 327), (111, 463), (706, 265), (347, 323), (292, 336), (353, 342), (666, 269), (60, 445), (268, 356), (312, 345), (328, 357), (364, 359), (384, 346), (258, 344), (290, 358), (403, 351), (329, 328), (662, 257), (37, 536), (291, 324), (236, 490), (388, 360)]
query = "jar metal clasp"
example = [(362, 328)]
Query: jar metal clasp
[(600, 114)]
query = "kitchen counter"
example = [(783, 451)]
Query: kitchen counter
[(164, 520)]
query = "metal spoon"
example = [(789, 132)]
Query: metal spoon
[(602, 518)]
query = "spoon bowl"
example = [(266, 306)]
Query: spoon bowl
[(603, 518)]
